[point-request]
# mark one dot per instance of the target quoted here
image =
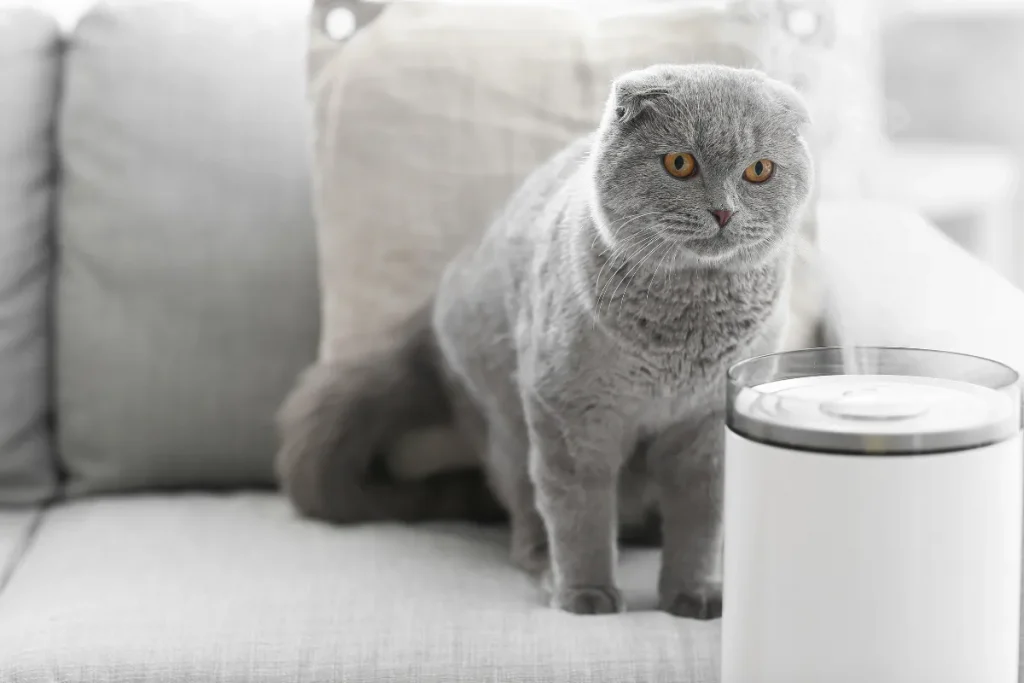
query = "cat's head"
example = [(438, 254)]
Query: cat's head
[(707, 162)]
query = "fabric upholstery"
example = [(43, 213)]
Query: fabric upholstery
[(234, 589), (187, 294), (431, 114), (29, 64), (15, 531)]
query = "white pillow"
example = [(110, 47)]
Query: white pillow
[(430, 115)]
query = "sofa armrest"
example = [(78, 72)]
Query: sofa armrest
[(895, 280)]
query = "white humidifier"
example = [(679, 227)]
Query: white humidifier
[(872, 519)]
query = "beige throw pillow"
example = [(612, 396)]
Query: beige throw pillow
[(430, 114)]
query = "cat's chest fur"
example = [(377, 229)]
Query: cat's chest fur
[(676, 333)]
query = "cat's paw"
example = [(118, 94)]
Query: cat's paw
[(588, 600), (701, 602)]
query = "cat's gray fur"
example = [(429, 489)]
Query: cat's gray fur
[(586, 338), (602, 310), (339, 421)]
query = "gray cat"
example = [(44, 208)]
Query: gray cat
[(582, 345), (594, 324)]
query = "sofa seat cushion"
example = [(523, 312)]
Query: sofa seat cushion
[(218, 588), (16, 526)]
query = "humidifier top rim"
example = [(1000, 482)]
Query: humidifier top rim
[(874, 401)]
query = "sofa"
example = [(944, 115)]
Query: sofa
[(158, 296)]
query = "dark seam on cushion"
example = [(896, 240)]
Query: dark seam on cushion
[(21, 547), (61, 47)]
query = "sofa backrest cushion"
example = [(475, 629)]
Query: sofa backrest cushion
[(186, 294), (29, 73)]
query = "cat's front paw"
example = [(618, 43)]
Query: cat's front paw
[(699, 602), (588, 600)]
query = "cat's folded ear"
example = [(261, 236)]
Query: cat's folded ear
[(633, 93), (793, 105)]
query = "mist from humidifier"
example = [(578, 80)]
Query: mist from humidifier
[(855, 360)]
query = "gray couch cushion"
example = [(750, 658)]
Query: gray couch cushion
[(187, 298), (234, 588), (29, 63)]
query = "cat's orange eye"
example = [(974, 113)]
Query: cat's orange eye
[(680, 164), (759, 171)]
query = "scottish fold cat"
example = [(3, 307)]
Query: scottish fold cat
[(582, 344), (595, 322)]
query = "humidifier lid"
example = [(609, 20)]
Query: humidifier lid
[(877, 401)]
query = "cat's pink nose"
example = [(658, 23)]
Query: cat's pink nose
[(722, 216)]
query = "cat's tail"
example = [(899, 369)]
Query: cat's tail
[(342, 420)]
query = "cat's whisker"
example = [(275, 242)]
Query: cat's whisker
[(617, 277), (632, 273), (643, 240), (628, 250), (648, 241), (636, 271), (622, 242), (633, 218), (657, 269), (616, 248)]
